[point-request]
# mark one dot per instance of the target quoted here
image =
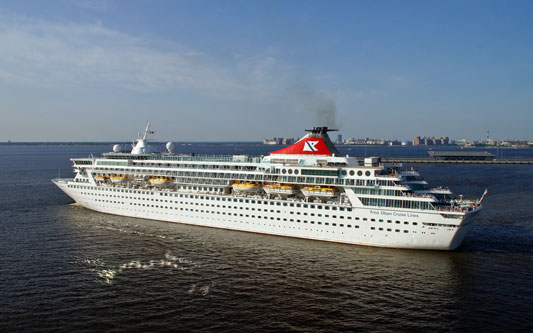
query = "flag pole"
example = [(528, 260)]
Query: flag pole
[(482, 197)]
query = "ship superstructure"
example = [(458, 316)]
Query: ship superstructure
[(306, 190)]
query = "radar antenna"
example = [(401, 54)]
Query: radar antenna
[(321, 130)]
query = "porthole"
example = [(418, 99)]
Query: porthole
[(367, 173), (283, 171), (290, 171), (359, 173), (352, 172), (344, 173), (296, 172)]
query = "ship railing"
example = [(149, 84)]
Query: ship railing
[(441, 188), (459, 207), (188, 157), (391, 175), (419, 195), (208, 158)]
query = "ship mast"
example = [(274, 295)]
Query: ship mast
[(142, 147), (147, 131)]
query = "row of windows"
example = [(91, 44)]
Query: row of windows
[(112, 163), (83, 162), (397, 203), (240, 200), (332, 173), (198, 166), (263, 217), (193, 177), (266, 217), (440, 225), (304, 180), (315, 172), (389, 229), (217, 198), (188, 174), (189, 177), (377, 191), (374, 182), (237, 214)]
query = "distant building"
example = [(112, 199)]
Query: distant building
[(431, 141), (271, 141), (349, 141), (287, 141), (461, 155), (444, 140), (279, 141)]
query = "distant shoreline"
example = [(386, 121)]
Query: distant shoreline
[(255, 143), (120, 143)]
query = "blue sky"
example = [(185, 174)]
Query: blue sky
[(80, 70)]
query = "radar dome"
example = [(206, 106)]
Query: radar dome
[(117, 148), (170, 147)]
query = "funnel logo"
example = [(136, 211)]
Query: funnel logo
[(310, 146)]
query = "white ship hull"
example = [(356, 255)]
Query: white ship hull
[(372, 204), (361, 226)]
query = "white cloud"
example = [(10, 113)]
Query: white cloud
[(44, 54)]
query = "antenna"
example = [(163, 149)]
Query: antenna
[(147, 130)]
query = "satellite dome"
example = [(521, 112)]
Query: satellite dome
[(117, 148), (170, 147)]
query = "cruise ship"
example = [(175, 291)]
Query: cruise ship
[(306, 190)]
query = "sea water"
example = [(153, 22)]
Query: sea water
[(66, 268)]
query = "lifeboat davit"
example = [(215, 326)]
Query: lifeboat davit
[(319, 191), (280, 189), (245, 187)]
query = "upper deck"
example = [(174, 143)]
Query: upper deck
[(186, 157)]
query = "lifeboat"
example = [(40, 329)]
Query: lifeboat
[(101, 178), (319, 191), (245, 187), (159, 181), (281, 189), (118, 178)]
